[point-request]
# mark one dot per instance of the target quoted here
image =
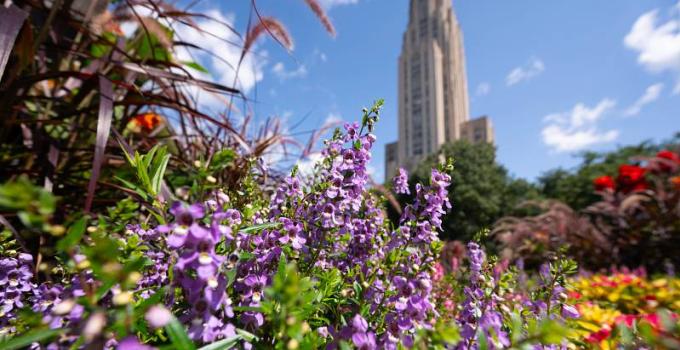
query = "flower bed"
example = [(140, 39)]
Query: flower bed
[(314, 265)]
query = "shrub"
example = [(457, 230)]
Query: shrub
[(636, 222)]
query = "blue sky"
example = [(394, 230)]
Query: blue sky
[(555, 77)]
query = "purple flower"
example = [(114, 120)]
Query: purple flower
[(364, 341), (359, 323), (132, 343), (186, 215), (401, 182), (569, 311)]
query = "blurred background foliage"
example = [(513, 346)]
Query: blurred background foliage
[(562, 208)]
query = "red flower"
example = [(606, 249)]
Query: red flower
[(631, 178), (604, 183), (600, 335), (627, 319), (669, 160), (670, 155)]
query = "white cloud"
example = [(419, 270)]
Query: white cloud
[(318, 54), (657, 44), (577, 129), (225, 47), (528, 71), (332, 120), (483, 89), (328, 4), (651, 94), (226, 56), (280, 70), (306, 165)]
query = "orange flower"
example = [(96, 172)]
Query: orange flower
[(147, 121), (676, 182)]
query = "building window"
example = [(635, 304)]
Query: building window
[(422, 27)]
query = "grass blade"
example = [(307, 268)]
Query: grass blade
[(259, 227), (103, 130), (11, 20), (27, 339), (178, 336), (223, 344)]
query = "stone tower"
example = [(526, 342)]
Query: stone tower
[(433, 96)]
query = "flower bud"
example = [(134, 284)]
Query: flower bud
[(134, 277), (290, 320), (94, 326), (83, 264), (122, 298), (293, 344), (158, 316), (64, 307), (112, 268), (57, 230)]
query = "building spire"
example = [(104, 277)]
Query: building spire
[(433, 93)]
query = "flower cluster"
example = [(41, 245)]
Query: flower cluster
[(332, 225), (631, 178), (197, 270), (622, 298), (480, 308), (401, 182), (16, 286)]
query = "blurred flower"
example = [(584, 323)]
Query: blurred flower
[(146, 122), (669, 160), (603, 183), (158, 316), (132, 343), (676, 182), (631, 178)]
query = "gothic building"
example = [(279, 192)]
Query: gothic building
[(433, 94)]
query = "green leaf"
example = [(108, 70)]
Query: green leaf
[(178, 336), (222, 159), (259, 227), (30, 338), (158, 174), (449, 334), (195, 66), (73, 236), (223, 344), (249, 337)]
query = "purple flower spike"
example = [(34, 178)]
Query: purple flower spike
[(401, 182)]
